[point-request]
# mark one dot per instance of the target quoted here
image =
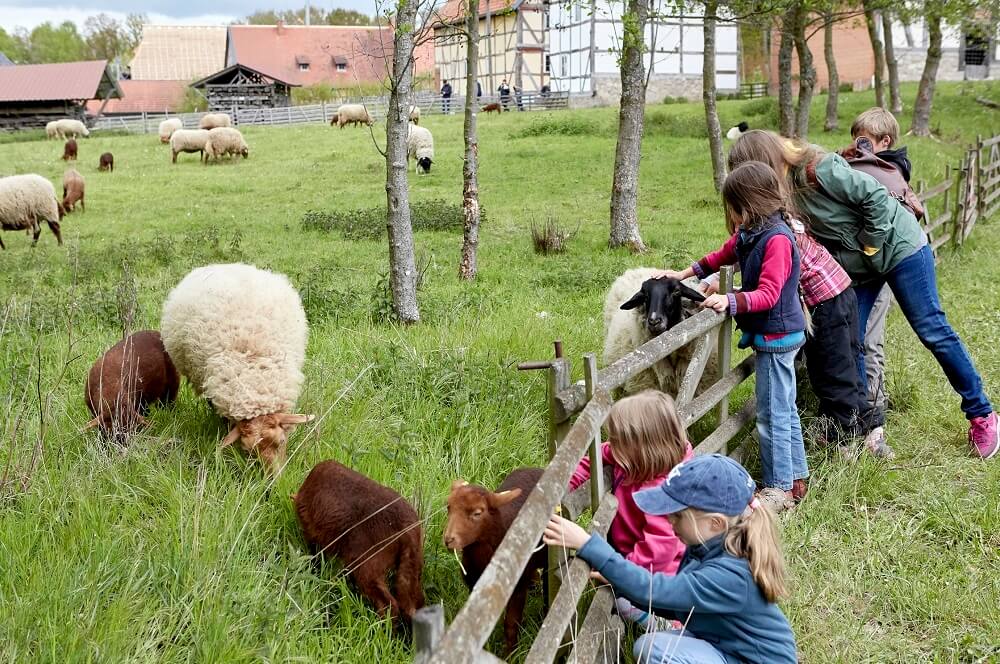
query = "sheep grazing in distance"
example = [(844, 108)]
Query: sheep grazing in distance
[(737, 131), (168, 127), (125, 380), (213, 120), (491, 108), (415, 114), (73, 191), (238, 334), (188, 140), (69, 150), (67, 128), (639, 307), (107, 162), (354, 114), (371, 529), (478, 519), (420, 147), (25, 202), (225, 141), (52, 129)]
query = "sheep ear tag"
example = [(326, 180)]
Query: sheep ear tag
[(231, 437), (458, 484), (635, 301), (691, 294)]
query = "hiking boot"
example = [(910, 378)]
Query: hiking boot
[(799, 489), (984, 436), (776, 500), (876, 445)]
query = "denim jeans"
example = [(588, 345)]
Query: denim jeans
[(673, 647), (913, 283), (782, 453)]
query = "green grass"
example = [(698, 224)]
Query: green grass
[(172, 550)]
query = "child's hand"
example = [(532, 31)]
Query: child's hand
[(563, 532), (668, 274), (710, 286), (599, 578), (718, 302)]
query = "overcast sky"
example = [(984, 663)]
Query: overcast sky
[(29, 13)]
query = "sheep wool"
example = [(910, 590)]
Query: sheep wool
[(52, 129), (26, 201), (70, 128), (415, 114), (225, 141), (213, 120), (420, 146), (352, 114), (238, 333), (168, 127), (188, 140)]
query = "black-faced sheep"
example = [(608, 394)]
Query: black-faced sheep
[(478, 519), (371, 529), (73, 190), (25, 202), (106, 163), (420, 147), (70, 150)]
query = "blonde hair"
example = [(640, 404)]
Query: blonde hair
[(876, 122), (646, 435), (751, 194)]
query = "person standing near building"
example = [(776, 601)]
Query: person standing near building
[(504, 91), (446, 97)]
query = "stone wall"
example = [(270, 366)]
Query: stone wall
[(911, 65), (608, 88)]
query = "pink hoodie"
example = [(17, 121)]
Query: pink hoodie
[(646, 540)]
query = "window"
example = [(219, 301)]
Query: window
[(303, 66), (341, 66), (548, 64), (564, 65), (579, 13)]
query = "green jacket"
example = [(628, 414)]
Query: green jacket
[(849, 210)]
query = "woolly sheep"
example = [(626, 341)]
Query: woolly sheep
[(239, 335), (415, 114), (225, 141), (630, 320), (25, 202), (351, 114), (213, 120), (67, 128), (73, 190), (420, 146), (168, 127), (52, 129), (188, 140)]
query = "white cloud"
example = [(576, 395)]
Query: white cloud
[(29, 17)]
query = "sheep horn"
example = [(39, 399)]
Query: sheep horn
[(231, 437)]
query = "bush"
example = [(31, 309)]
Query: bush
[(846, 87), (559, 125), (675, 124), (675, 100), (763, 110), (369, 223), (550, 237), (312, 94)]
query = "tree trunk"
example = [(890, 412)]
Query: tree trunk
[(908, 31), (921, 125), (708, 95), (625, 188), (872, 24), (470, 170), (807, 74), (402, 264), (895, 100), (786, 109), (832, 123)]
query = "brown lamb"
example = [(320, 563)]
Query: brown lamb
[(478, 519), (107, 162), (73, 191), (125, 380), (69, 150), (371, 529), (491, 108)]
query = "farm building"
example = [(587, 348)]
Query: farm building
[(31, 95), (242, 86), (852, 50), (512, 46), (179, 52), (966, 54), (142, 97)]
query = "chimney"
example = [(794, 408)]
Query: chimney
[(280, 27)]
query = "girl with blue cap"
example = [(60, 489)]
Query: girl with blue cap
[(731, 575)]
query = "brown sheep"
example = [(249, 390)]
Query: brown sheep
[(69, 150), (73, 191), (371, 529), (478, 519), (494, 107), (107, 162), (132, 374)]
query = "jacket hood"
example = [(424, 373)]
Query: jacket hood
[(898, 159)]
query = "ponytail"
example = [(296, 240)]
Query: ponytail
[(753, 536)]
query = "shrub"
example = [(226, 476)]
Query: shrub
[(369, 223), (675, 124), (763, 110), (559, 125), (675, 100), (550, 237), (846, 87), (312, 94)]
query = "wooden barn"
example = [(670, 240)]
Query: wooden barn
[(31, 95), (244, 87)]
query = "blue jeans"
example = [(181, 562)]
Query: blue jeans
[(673, 647), (782, 453), (913, 283)]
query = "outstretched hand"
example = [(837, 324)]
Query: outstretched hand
[(669, 274), (719, 302), (563, 532)]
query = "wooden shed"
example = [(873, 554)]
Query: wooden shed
[(31, 95), (241, 86)]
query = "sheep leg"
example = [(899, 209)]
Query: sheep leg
[(370, 579), (54, 226), (512, 617), (83, 208), (2, 245)]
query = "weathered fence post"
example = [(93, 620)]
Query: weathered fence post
[(596, 461), (145, 123), (428, 626), (980, 206), (725, 352), (323, 103), (559, 380)]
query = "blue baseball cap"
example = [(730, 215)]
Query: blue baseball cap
[(711, 483)]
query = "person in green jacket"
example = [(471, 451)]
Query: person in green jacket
[(878, 241)]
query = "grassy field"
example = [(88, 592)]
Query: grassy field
[(171, 550)]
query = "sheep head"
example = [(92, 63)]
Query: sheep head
[(266, 436), (662, 300), (468, 512), (425, 164)]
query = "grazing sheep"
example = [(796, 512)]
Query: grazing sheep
[(73, 190), (737, 131), (52, 129), (225, 141), (354, 114), (107, 162), (25, 202), (69, 150), (188, 140), (239, 336), (125, 380), (478, 519), (420, 146), (638, 308), (415, 114), (371, 529), (213, 120), (168, 127), (67, 128), (491, 108)]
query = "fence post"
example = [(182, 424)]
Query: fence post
[(596, 462), (980, 207), (323, 103), (559, 374), (145, 124), (725, 352), (428, 626)]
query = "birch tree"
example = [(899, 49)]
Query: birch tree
[(871, 22), (708, 95), (832, 122), (892, 65), (470, 169)]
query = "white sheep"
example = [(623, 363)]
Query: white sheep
[(52, 129), (239, 335), (213, 120), (225, 141), (188, 140), (351, 114), (415, 114), (659, 306), (25, 202), (420, 146), (67, 128), (168, 127)]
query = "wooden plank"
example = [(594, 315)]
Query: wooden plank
[(936, 190), (716, 442), (428, 626), (596, 629), (938, 242), (725, 353), (991, 141), (596, 482), (695, 370), (720, 390), (936, 223)]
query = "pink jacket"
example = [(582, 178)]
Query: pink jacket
[(648, 541)]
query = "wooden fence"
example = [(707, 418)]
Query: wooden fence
[(968, 193)]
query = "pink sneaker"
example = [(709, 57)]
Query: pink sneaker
[(984, 436)]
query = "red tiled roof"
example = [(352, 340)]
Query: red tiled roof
[(280, 51), (454, 10), (139, 96), (64, 80)]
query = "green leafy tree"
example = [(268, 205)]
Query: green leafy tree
[(14, 46), (62, 43), (106, 37)]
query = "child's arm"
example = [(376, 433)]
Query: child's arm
[(582, 472), (775, 270)]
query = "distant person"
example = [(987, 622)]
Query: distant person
[(479, 90), (517, 97), (446, 97), (545, 90), (504, 91)]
